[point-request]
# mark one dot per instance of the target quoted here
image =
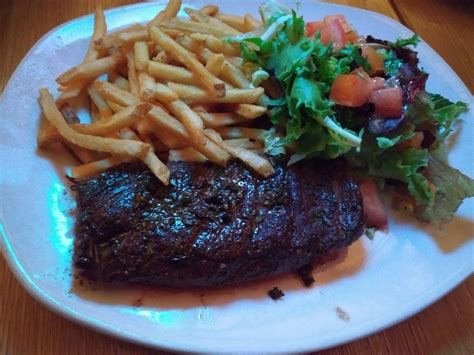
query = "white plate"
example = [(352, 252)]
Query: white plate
[(377, 284)]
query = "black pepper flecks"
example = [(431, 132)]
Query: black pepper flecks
[(304, 273), (275, 293)]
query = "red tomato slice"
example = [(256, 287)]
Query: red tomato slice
[(350, 90), (333, 32), (374, 211), (376, 60), (388, 102), (376, 83), (313, 27)]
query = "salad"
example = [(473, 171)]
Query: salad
[(337, 94)]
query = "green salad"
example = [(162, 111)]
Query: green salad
[(337, 94)]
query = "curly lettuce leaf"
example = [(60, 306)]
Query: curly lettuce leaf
[(411, 41), (451, 188)]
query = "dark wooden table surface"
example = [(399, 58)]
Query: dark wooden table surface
[(447, 327)]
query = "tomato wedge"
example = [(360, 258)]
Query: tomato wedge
[(374, 210), (388, 102), (333, 32), (350, 90), (313, 27), (375, 59)]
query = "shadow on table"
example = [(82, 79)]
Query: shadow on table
[(348, 262)]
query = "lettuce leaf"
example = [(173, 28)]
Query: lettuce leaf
[(411, 41), (451, 186)]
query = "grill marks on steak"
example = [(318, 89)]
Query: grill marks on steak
[(211, 225)]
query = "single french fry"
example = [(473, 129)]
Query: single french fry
[(146, 86), (132, 37), (251, 23), (158, 168), (196, 27), (82, 154), (218, 119), (250, 111), (125, 118), (96, 167), (236, 61), (142, 55), (151, 91), (95, 114), (108, 145), (209, 81), (162, 57), (100, 29), (187, 154), (234, 76), (169, 139), (121, 83), (241, 132), (194, 95), (90, 70), (210, 150), (99, 102), (245, 143), (229, 73), (169, 12), (145, 127), (203, 18), (132, 74), (167, 72), (210, 10), (215, 64), (259, 164), (115, 107), (71, 91), (236, 22), (217, 45), (128, 133), (114, 39), (190, 120), (113, 93)]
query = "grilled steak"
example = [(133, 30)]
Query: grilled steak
[(211, 226)]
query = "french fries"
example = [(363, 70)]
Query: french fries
[(141, 55), (167, 72), (190, 120), (186, 154), (96, 167), (210, 10), (168, 82), (100, 29), (216, 45), (197, 27), (109, 145), (215, 64), (251, 23), (90, 70), (259, 164), (192, 94), (115, 94), (208, 80), (170, 11), (210, 150), (236, 22), (201, 17)]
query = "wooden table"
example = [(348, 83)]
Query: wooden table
[(26, 327)]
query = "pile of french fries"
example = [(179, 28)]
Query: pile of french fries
[(173, 86)]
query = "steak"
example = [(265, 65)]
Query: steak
[(211, 226)]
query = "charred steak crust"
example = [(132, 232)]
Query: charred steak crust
[(211, 226)]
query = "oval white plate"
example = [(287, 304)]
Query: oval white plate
[(377, 284)]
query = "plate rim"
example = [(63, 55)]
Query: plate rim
[(99, 326)]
